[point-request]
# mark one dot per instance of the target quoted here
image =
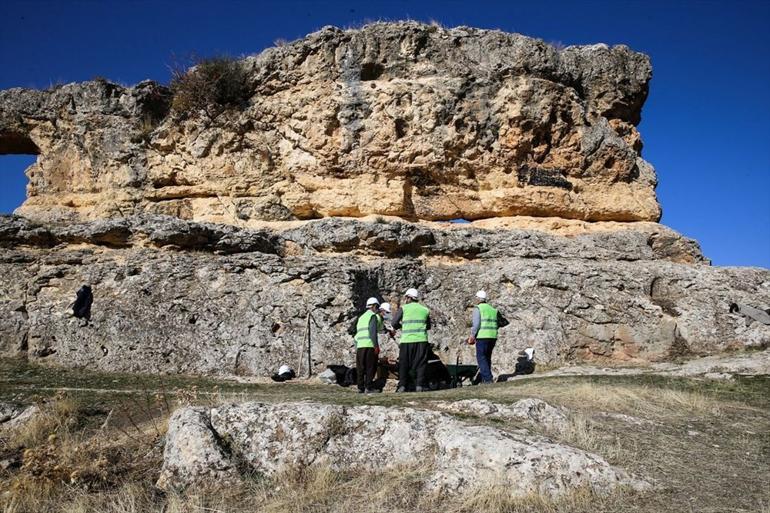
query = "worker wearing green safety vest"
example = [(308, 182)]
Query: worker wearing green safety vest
[(369, 324), (414, 321), (485, 323)]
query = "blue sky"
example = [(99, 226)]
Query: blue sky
[(706, 124)]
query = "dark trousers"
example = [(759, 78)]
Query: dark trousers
[(412, 357), (366, 367), (484, 347)]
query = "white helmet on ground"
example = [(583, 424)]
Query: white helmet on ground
[(481, 295), (284, 369), (372, 301), (385, 307), (412, 293)]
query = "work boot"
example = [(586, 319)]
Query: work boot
[(400, 390)]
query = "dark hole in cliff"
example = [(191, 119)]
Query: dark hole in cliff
[(371, 71), (424, 178), (14, 143), (543, 177), (400, 126), (275, 327)]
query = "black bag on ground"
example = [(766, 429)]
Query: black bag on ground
[(524, 365), (436, 374), (346, 376), (81, 308)]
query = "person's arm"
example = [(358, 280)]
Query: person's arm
[(373, 330), (397, 319), (502, 322), (475, 323)]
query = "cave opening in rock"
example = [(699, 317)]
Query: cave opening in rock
[(17, 153)]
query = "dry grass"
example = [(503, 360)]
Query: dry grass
[(311, 490), (721, 467), (55, 416), (637, 400)]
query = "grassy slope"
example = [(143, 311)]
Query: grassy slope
[(705, 443)]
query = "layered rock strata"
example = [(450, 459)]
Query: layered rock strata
[(178, 296), (401, 119), (192, 226)]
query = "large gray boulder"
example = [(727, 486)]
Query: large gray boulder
[(221, 442)]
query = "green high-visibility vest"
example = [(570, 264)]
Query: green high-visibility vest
[(488, 327), (414, 323), (362, 329)]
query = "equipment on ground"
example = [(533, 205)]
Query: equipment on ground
[(460, 372)]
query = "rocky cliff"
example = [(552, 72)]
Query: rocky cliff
[(397, 119), (179, 296), (193, 229)]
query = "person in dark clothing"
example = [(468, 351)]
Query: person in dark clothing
[(81, 308), (485, 322), (367, 346), (414, 321)]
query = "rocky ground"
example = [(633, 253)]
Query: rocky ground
[(666, 444)]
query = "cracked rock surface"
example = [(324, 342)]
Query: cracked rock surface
[(178, 296), (263, 438)]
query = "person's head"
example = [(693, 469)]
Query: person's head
[(411, 295), (372, 304), (385, 309), (481, 297)]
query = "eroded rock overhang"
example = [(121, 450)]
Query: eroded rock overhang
[(400, 119)]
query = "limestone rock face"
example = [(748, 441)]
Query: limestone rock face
[(13, 415), (399, 119), (263, 438), (195, 230), (178, 296), (531, 410)]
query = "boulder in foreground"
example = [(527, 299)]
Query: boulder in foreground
[(204, 444)]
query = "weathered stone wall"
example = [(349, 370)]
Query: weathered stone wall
[(191, 227), (175, 296), (397, 119)]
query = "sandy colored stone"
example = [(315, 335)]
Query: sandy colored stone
[(399, 119)]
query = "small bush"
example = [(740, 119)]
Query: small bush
[(211, 85)]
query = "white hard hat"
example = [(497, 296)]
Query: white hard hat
[(481, 294), (385, 307), (284, 369), (412, 293), (372, 301)]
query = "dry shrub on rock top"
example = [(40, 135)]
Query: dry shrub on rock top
[(211, 85)]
